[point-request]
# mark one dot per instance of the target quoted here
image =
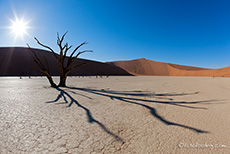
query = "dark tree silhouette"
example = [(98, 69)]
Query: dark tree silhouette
[(65, 63)]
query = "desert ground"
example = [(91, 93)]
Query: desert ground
[(135, 114)]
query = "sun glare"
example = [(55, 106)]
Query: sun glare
[(19, 27)]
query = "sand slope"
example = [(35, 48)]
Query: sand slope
[(149, 67), (19, 61)]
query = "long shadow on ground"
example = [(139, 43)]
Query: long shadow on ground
[(91, 119), (123, 96)]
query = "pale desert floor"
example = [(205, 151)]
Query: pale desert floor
[(115, 115)]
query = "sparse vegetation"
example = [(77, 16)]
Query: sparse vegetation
[(65, 63)]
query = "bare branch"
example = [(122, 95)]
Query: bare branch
[(36, 58), (70, 47), (63, 36), (66, 49), (77, 49), (75, 66), (47, 75), (65, 46), (71, 59), (58, 39), (46, 47), (79, 65), (38, 63), (79, 53), (59, 43), (40, 70), (47, 65), (64, 69)]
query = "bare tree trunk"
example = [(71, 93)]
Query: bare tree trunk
[(62, 82), (64, 70), (51, 81)]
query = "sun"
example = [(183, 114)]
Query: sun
[(19, 27)]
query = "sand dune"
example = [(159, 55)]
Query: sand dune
[(149, 67), (19, 61)]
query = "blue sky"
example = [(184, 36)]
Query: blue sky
[(187, 32)]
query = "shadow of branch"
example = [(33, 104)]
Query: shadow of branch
[(110, 94), (91, 119)]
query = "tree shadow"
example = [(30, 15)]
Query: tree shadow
[(123, 96), (91, 119), (113, 95)]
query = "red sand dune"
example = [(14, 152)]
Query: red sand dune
[(149, 67), (15, 61)]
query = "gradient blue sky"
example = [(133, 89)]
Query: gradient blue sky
[(187, 32)]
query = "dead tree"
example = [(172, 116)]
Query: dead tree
[(65, 63)]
